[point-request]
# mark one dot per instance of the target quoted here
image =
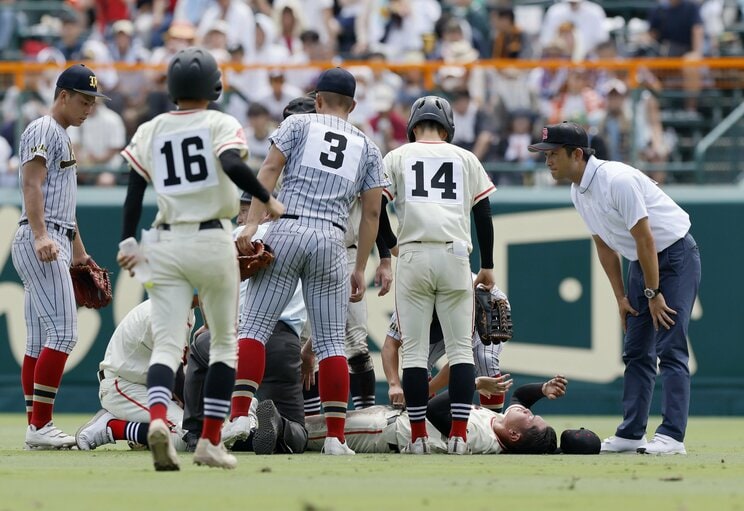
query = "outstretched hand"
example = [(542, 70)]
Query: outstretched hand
[(487, 386), (555, 387)]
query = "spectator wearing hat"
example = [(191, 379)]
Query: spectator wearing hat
[(389, 128), (215, 40), (577, 101)]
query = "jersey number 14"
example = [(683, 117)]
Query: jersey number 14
[(434, 180)]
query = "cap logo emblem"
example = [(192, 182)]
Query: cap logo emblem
[(93, 82), (545, 133)]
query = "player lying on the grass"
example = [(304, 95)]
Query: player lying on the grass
[(486, 360), (384, 429), (123, 385)]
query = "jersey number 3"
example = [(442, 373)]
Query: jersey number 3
[(183, 162), (332, 152), (436, 180)]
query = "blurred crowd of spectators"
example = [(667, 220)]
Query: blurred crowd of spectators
[(498, 112)]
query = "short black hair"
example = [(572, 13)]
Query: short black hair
[(535, 441), (310, 36), (430, 124), (587, 151), (336, 100), (505, 12)]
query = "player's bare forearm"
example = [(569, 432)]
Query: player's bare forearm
[(368, 225), (647, 256), (79, 255), (390, 360), (610, 261), (268, 175), (440, 381), (34, 175)]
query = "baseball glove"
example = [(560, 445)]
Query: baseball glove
[(492, 317), (92, 285), (262, 257)]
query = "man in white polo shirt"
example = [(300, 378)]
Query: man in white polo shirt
[(628, 214)]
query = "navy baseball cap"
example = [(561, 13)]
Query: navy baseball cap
[(80, 79), (580, 441), (337, 80), (559, 135)]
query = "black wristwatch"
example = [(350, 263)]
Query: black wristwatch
[(651, 293)]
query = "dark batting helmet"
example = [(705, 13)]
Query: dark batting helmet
[(193, 74), (431, 108)]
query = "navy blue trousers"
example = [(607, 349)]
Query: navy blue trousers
[(679, 279)]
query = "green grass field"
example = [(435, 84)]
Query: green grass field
[(710, 477)]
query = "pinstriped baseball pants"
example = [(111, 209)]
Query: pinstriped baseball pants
[(317, 255), (50, 308)]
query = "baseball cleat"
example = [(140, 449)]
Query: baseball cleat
[(240, 428), (95, 432), (420, 446), (457, 445), (269, 428), (662, 445), (333, 446), (48, 437), (213, 455), (620, 445), (164, 455)]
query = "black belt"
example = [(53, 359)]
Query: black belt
[(215, 223), (297, 217), (352, 246), (101, 376), (67, 233)]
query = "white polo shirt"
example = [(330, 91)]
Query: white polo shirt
[(612, 197)]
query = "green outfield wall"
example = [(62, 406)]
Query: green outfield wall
[(564, 313)]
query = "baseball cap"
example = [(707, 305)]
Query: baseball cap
[(301, 105), (123, 26), (246, 197), (337, 80), (559, 135), (580, 441), (80, 79)]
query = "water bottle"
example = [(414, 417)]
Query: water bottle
[(142, 271)]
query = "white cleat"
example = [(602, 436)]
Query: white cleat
[(333, 447), (457, 445), (48, 437), (620, 445), (239, 428), (662, 445), (164, 455), (420, 446), (213, 455), (95, 432)]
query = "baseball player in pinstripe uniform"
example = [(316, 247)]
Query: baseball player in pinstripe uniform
[(192, 156), (486, 360), (435, 185), (327, 162), (46, 244)]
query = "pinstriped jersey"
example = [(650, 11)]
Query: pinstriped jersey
[(179, 153), (329, 162), (46, 138), (434, 185)]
